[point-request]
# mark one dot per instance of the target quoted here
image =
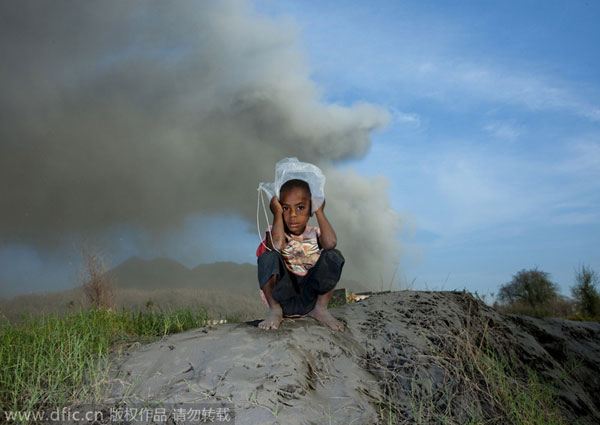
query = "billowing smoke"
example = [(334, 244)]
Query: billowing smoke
[(145, 112)]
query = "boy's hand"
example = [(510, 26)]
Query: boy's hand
[(328, 239), (276, 207), (321, 208)]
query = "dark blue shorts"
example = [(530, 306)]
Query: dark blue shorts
[(298, 294)]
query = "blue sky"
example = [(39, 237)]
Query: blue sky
[(493, 152)]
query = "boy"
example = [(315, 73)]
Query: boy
[(300, 279)]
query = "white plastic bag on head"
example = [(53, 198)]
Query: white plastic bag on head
[(288, 169), (291, 168)]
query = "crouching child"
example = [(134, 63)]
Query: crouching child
[(298, 277)]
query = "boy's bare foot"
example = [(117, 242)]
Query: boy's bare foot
[(324, 316), (273, 319)]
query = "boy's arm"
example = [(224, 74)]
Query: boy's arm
[(277, 231), (328, 239)]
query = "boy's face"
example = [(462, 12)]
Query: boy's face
[(296, 209)]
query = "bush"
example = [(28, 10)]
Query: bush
[(585, 292), (531, 287), (558, 307), (95, 278)]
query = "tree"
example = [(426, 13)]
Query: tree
[(585, 291), (94, 276), (532, 287)]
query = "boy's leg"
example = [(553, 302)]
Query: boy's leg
[(279, 288), (321, 281), (275, 315), (323, 315)]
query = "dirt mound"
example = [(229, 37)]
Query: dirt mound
[(446, 357), (405, 357)]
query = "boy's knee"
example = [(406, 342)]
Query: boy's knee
[(267, 256), (334, 256), (268, 266), (327, 274), (263, 280)]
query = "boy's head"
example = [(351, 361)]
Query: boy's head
[(295, 199)]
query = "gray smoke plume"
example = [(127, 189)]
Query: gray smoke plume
[(142, 113)]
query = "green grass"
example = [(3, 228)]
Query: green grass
[(560, 308), (48, 361), (480, 383), (526, 400), (512, 399)]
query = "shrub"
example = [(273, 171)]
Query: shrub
[(95, 279), (585, 292), (558, 307), (531, 287)]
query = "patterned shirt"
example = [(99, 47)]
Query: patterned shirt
[(302, 251)]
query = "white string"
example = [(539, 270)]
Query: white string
[(258, 201), (267, 219), (257, 217)]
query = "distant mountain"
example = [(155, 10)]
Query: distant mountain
[(224, 287), (227, 275), (164, 273), (158, 273)]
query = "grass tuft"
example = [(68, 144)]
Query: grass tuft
[(465, 379), (51, 360)]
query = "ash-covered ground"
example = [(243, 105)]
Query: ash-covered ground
[(404, 357)]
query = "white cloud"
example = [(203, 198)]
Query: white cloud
[(401, 63), (405, 117), (507, 131), (520, 87), (452, 80), (464, 191), (584, 158), (479, 190), (575, 218)]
